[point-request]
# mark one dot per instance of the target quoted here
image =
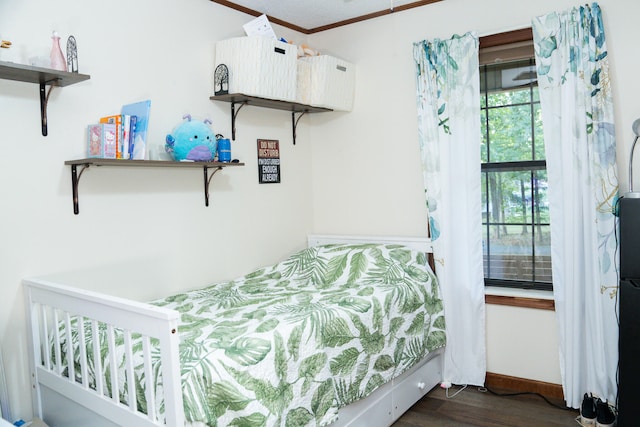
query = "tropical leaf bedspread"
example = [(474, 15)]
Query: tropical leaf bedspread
[(290, 344)]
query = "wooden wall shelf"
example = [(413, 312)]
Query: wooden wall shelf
[(294, 107), (42, 77), (86, 163)]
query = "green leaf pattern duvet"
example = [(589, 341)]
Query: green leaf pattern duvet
[(290, 344)]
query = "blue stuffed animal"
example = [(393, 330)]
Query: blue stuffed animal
[(192, 140)]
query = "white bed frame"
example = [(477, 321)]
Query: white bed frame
[(63, 402)]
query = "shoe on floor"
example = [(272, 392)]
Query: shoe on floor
[(605, 417), (588, 413)]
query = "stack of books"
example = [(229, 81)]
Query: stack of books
[(120, 136)]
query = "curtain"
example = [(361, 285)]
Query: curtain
[(577, 112), (448, 100)]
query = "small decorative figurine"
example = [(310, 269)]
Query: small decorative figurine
[(221, 80), (57, 58), (72, 55), (192, 140)]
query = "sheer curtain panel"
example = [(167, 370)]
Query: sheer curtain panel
[(448, 98), (577, 111)]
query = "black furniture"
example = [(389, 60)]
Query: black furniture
[(629, 334)]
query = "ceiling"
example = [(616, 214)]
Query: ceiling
[(312, 16)]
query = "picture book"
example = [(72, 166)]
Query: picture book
[(109, 138), (94, 141), (141, 111), (117, 120), (101, 140)]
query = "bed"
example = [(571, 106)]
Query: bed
[(347, 332)]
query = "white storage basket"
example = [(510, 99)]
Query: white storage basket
[(259, 66), (330, 82), (303, 88)]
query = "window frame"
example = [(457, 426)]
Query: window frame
[(507, 47)]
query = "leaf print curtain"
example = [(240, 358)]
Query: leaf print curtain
[(575, 97), (448, 98)]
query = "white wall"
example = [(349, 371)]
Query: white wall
[(523, 343), (134, 223), (366, 171)]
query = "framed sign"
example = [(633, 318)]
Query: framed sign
[(268, 161)]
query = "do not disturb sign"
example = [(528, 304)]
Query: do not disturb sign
[(268, 161)]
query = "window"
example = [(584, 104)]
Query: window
[(515, 215)]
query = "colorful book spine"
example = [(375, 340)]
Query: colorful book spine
[(126, 136), (132, 134)]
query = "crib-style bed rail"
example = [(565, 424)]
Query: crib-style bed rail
[(92, 376)]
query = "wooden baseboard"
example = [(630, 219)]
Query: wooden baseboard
[(506, 382)]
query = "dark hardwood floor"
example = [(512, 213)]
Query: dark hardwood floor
[(472, 407)]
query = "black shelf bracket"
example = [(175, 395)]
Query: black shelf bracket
[(42, 77), (207, 181), (209, 169), (44, 99), (75, 179), (242, 100), (294, 123), (234, 113)]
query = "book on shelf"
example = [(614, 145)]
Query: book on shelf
[(116, 120), (125, 128), (132, 127), (101, 140), (126, 136), (141, 112), (120, 136)]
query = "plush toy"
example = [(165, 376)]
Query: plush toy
[(304, 50), (192, 140)]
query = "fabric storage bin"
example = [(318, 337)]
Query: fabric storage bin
[(259, 66), (303, 87), (331, 82)]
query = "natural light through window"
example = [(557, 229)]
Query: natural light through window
[(515, 213)]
